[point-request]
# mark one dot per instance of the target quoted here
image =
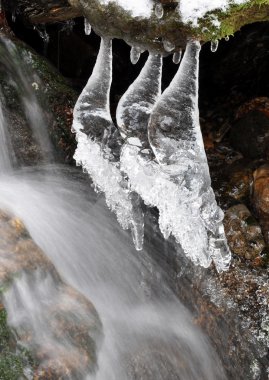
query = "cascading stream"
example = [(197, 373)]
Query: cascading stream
[(148, 334)]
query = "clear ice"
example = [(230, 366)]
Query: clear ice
[(159, 12), (135, 54), (159, 156), (136, 104), (177, 57), (99, 144), (178, 181), (87, 27), (214, 45)]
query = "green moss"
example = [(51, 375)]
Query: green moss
[(13, 359)]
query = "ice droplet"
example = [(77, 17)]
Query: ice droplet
[(159, 12), (214, 45), (168, 46), (177, 57), (87, 27), (227, 38), (135, 54)]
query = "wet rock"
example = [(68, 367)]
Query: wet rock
[(243, 232), (261, 198), (250, 135), (73, 328), (239, 179), (42, 86)]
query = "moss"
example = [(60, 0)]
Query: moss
[(12, 361), (149, 33)]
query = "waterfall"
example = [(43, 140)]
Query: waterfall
[(6, 151)]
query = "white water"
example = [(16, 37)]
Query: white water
[(93, 254), (148, 334)]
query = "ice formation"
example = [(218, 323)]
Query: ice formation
[(135, 54), (87, 27), (99, 143), (159, 11), (136, 104), (177, 57), (162, 160), (189, 212)]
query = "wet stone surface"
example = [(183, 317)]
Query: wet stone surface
[(69, 318)]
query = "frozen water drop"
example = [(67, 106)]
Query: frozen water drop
[(87, 27), (168, 45), (214, 45), (227, 38), (177, 57), (135, 54), (159, 12)]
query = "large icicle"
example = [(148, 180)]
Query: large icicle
[(136, 104), (179, 184), (99, 143)]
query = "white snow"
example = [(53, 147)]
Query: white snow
[(192, 10), (138, 8)]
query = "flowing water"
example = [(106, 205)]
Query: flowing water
[(148, 333)]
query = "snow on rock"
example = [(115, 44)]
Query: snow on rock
[(138, 8), (191, 11)]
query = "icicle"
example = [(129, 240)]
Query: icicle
[(13, 17), (168, 46), (87, 27), (176, 139), (159, 12), (177, 57), (135, 54), (214, 45), (99, 145), (135, 106)]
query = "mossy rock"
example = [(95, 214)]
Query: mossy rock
[(150, 33)]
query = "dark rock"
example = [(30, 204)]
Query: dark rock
[(250, 135)]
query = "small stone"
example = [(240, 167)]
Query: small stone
[(243, 233)]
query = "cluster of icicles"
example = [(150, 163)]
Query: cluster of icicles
[(156, 155)]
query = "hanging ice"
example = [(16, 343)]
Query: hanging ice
[(87, 27), (136, 104), (135, 54), (99, 143), (214, 45), (177, 57), (159, 12), (179, 184)]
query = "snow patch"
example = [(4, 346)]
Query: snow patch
[(191, 11)]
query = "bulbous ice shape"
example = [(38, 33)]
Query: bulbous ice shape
[(176, 139), (99, 145), (136, 104)]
